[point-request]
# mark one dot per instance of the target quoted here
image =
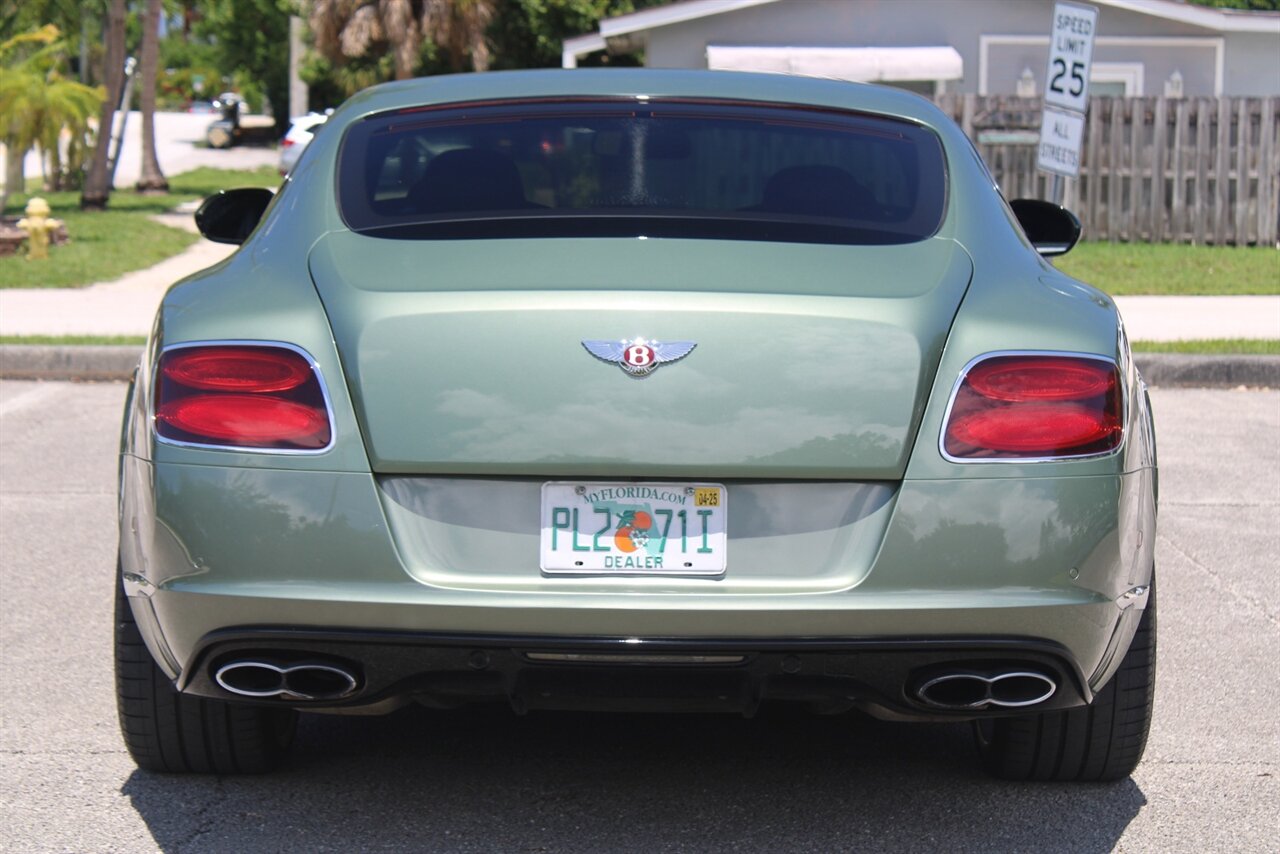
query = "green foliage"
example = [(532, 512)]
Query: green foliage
[(250, 39), (528, 33), (178, 51), (176, 87), (20, 16), (1251, 5), (37, 103), (188, 72), (1173, 269), (332, 84)]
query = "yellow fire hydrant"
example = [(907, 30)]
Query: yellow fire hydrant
[(39, 227)]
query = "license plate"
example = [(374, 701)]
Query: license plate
[(634, 528)]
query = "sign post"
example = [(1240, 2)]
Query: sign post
[(1066, 92)]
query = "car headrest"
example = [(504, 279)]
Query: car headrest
[(816, 191), (468, 179)]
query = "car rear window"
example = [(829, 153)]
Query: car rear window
[(641, 168)]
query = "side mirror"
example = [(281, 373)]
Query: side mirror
[(230, 216), (1052, 229)]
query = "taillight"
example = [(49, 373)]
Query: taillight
[(1031, 406), (244, 396)]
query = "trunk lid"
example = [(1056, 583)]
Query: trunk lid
[(467, 356)]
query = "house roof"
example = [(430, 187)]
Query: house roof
[(628, 31), (662, 16), (859, 64), (1222, 20)]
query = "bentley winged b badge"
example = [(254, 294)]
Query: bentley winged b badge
[(639, 357)]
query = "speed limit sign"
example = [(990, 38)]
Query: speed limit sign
[(1070, 55)]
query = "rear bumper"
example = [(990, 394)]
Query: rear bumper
[(315, 555), (879, 676)]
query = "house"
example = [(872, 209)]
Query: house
[(987, 47)]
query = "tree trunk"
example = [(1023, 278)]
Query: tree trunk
[(152, 179), (14, 182), (53, 178), (480, 14), (97, 184)]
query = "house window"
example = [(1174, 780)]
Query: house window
[(1116, 79)]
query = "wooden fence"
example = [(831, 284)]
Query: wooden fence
[(1193, 170)]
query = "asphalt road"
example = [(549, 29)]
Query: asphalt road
[(487, 781)]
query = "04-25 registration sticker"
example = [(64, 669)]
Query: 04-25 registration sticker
[(634, 528)]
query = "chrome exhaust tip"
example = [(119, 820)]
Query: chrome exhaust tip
[(305, 680), (966, 691)]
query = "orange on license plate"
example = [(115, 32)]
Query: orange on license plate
[(634, 528)]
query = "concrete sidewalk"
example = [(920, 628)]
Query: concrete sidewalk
[(1198, 318), (125, 306)]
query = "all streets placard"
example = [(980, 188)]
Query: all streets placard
[(1061, 138)]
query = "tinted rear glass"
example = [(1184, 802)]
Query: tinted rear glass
[(663, 168)]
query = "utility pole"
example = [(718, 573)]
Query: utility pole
[(129, 65), (298, 94)]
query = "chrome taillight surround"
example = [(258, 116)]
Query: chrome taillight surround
[(246, 449), (996, 354)]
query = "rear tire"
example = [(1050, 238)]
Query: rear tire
[(170, 732), (1099, 742)]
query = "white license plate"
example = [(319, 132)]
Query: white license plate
[(634, 528)]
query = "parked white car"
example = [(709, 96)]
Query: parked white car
[(301, 129)]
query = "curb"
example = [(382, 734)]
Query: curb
[(101, 363), (1184, 370), (88, 363)]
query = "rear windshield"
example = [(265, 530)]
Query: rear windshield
[(639, 168)]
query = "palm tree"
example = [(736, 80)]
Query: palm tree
[(459, 27), (37, 103), (97, 184), (152, 179), (353, 29), (347, 31)]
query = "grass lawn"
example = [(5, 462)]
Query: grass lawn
[(106, 245), (1123, 269), (1213, 346)]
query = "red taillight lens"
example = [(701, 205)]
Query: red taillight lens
[(252, 369), (241, 396), (1011, 407), (243, 419), (1023, 379)]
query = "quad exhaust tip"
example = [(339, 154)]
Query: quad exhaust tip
[(306, 680), (965, 691)]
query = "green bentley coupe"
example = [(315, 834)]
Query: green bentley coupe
[(638, 390)]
